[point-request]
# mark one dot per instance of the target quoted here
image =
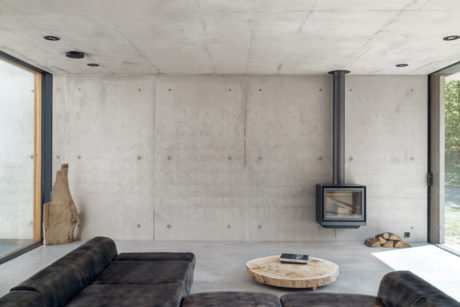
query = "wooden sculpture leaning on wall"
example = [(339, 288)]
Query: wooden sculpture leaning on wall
[(60, 215)]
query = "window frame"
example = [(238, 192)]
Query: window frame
[(436, 159), (43, 117)]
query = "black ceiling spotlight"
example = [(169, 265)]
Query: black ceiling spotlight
[(75, 54), (51, 38), (93, 64), (451, 37), (401, 65)]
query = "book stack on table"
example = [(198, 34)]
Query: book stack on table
[(294, 258)]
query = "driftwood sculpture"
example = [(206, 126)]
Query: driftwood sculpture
[(59, 215)]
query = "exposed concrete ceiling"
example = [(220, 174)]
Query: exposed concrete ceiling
[(233, 36)]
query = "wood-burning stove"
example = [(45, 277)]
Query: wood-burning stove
[(340, 205)]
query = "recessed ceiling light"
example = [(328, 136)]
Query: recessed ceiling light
[(451, 37), (51, 38), (93, 64), (401, 65), (75, 54)]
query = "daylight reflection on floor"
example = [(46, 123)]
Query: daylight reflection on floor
[(435, 265)]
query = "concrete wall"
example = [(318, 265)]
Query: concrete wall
[(16, 152), (237, 157)]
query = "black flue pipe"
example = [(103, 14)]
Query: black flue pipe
[(338, 126)]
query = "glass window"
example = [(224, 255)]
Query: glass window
[(17, 145), (452, 161)]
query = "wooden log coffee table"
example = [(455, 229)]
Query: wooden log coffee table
[(269, 270)]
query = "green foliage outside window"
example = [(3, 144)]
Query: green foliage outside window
[(452, 130)]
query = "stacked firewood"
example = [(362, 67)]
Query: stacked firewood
[(386, 239)]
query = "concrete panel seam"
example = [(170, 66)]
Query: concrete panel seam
[(245, 121), (154, 157)]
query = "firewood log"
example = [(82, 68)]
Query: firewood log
[(388, 244), (372, 242), (394, 237), (398, 244), (382, 240), (406, 244), (384, 235)]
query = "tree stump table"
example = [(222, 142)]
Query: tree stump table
[(269, 270)]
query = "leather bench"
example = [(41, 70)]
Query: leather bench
[(228, 298)]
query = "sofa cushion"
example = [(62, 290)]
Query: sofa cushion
[(158, 256), (91, 258), (22, 298), (63, 279), (231, 299), (402, 288), (323, 299), (109, 295), (56, 283), (148, 272)]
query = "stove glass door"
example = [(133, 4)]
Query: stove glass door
[(343, 204)]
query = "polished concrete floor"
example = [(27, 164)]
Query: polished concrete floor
[(221, 265)]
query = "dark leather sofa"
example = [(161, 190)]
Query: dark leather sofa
[(397, 289), (94, 274)]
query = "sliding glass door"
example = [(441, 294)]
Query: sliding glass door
[(19, 157), (444, 162)]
